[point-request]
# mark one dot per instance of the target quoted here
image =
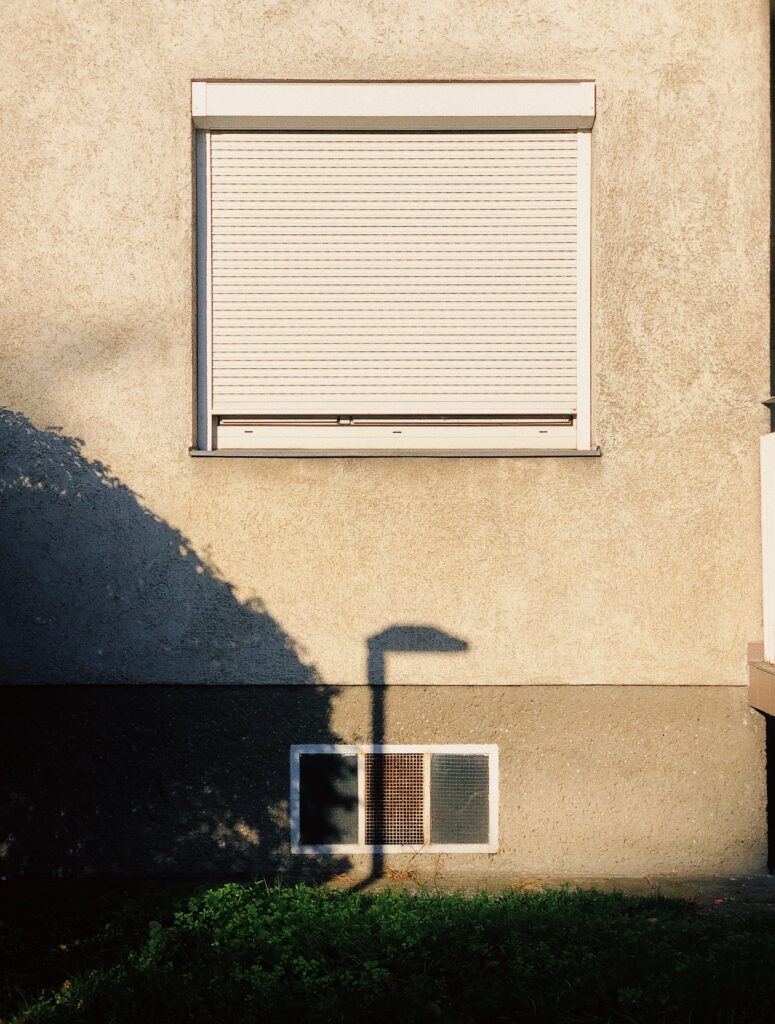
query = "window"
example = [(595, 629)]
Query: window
[(350, 799), (389, 267)]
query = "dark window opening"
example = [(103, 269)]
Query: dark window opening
[(328, 799)]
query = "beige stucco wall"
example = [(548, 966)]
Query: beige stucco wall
[(619, 780), (640, 567), (126, 560), (622, 780)]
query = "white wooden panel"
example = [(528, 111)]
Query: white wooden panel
[(385, 105), (768, 543), (583, 292), (395, 274), (204, 268), (430, 437)]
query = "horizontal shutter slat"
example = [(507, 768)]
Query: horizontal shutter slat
[(393, 273)]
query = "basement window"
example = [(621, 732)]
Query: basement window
[(356, 799), (393, 267)]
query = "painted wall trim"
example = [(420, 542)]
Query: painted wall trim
[(490, 750), (339, 684), (345, 453), (396, 105), (768, 543)]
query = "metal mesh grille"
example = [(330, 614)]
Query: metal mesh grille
[(460, 791), (394, 799)]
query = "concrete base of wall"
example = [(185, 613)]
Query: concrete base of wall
[(595, 781)]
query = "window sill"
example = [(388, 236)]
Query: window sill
[(348, 848), (357, 453)]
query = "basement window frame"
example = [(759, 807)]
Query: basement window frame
[(360, 750), (459, 106)]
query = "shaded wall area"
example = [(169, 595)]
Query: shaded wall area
[(602, 780), (133, 779), (139, 780), (96, 588), (769, 727)]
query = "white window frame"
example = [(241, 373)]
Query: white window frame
[(564, 106), (360, 750)]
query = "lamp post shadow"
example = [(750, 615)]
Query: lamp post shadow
[(394, 639)]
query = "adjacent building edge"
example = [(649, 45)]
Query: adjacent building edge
[(761, 656), (761, 680)]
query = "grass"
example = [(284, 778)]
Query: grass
[(300, 954), (51, 931)]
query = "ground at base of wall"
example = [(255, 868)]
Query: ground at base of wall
[(721, 895)]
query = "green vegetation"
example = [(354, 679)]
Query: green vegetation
[(271, 954)]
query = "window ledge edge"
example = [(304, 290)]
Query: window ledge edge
[(361, 453)]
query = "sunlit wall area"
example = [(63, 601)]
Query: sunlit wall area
[(171, 626)]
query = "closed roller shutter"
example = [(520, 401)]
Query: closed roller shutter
[(393, 274)]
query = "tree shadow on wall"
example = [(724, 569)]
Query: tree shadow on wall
[(129, 778), (96, 588)]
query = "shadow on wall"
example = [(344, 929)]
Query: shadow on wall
[(134, 779), (395, 640), (98, 589)]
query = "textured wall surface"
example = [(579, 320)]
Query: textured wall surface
[(640, 567), (597, 780), (124, 560)]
